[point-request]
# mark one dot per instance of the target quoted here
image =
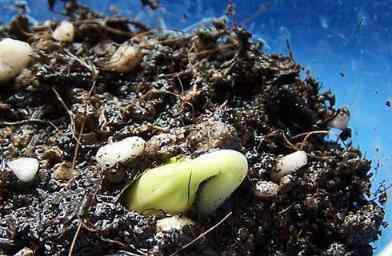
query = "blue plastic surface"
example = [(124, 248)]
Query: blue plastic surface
[(346, 44)]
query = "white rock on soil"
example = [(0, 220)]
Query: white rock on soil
[(173, 223), (64, 32), (15, 55), (289, 164), (120, 152), (24, 168), (266, 189), (125, 59)]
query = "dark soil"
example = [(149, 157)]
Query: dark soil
[(190, 93)]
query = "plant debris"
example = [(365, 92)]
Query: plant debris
[(183, 94)]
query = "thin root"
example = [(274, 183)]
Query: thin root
[(70, 114), (310, 134), (75, 238), (289, 144), (202, 235), (83, 124)]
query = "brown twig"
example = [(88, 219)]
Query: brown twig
[(175, 40), (70, 114), (94, 72), (285, 209), (310, 134), (28, 121), (90, 229), (83, 124), (158, 128), (111, 241), (81, 62), (289, 144), (107, 240), (77, 147), (102, 24), (182, 73), (303, 143), (156, 91), (202, 235), (117, 31), (75, 238), (86, 202)]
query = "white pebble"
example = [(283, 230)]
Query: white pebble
[(289, 163), (120, 152), (64, 32), (24, 168), (15, 55), (266, 189), (125, 59), (173, 223)]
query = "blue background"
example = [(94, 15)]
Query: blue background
[(328, 37)]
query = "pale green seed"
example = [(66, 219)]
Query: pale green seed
[(173, 188)]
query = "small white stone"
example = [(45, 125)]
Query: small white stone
[(173, 223), (24, 168), (266, 189), (64, 32), (289, 163), (119, 152), (125, 59), (15, 55)]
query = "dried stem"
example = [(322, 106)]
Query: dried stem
[(82, 126), (28, 121), (70, 114), (304, 141), (289, 144), (81, 62), (94, 73), (75, 238), (310, 134), (286, 209), (102, 24), (202, 235)]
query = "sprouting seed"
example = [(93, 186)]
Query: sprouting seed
[(203, 184)]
